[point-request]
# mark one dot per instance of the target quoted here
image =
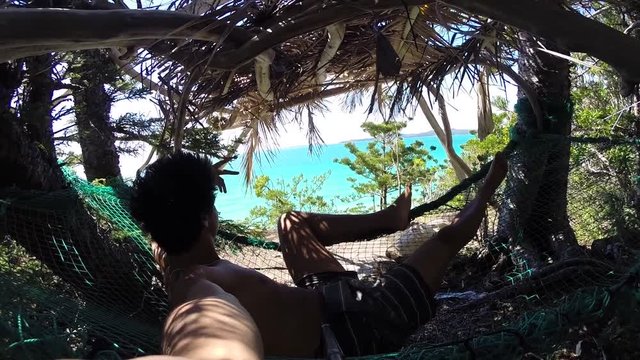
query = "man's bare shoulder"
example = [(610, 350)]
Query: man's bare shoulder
[(181, 283), (202, 271), (228, 274)]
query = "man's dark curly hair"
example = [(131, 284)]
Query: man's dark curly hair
[(172, 198)]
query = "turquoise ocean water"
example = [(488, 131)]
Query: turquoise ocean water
[(290, 162)]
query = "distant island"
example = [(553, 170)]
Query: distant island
[(428, 133), (432, 133)]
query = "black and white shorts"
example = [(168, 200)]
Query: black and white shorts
[(373, 319)]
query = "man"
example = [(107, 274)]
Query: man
[(174, 199)]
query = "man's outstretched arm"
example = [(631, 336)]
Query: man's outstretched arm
[(210, 324)]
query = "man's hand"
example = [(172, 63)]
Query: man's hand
[(500, 165), (497, 173), (217, 170)]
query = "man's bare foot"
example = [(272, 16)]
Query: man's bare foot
[(496, 174), (399, 210)]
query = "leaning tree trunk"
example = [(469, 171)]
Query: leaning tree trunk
[(27, 157), (534, 216), (36, 109), (460, 168), (93, 111), (39, 213)]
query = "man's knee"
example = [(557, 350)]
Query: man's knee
[(448, 231), (288, 220)]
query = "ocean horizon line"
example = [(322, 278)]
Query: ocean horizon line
[(414, 135), (406, 136)]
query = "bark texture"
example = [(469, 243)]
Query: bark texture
[(93, 114), (534, 216)]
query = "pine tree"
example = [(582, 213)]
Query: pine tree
[(387, 163)]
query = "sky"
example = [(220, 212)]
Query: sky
[(335, 125)]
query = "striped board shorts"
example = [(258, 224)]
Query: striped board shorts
[(373, 319)]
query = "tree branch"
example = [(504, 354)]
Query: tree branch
[(66, 30), (64, 129), (445, 136), (529, 92), (128, 68), (127, 135), (568, 29), (67, 138), (444, 116), (314, 95), (64, 96), (485, 114)]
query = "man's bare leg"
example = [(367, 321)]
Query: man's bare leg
[(432, 258), (303, 236)]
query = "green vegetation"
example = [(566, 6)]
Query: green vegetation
[(600, 111), (17, 263), (388, 163), (477, 152), (281, 196)]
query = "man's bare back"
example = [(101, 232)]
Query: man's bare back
[(288, 318)]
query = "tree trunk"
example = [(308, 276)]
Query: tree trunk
[(93, 109), (633, 29), (27, 158), (534, 215), (10, 80), (36, 109)]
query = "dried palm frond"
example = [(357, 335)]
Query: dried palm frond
[(313, 133), (263, 132), (485, 115)]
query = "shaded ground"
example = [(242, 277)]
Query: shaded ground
[(615, 335)]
